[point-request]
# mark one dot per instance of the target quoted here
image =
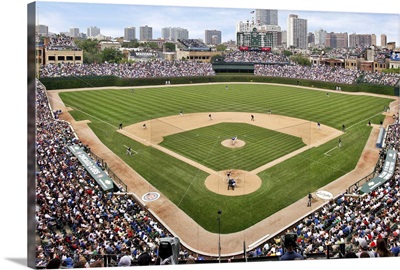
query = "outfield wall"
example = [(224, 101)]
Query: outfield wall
[(111, 81)]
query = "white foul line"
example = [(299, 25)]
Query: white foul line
[(326, 153), (131, 150)]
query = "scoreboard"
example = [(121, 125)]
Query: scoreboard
[(257, 40)]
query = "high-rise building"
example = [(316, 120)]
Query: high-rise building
[(296, 32), (74, 32), (174, 33), (93, 31), (130, 33), (42, 30), (383, 40), (284, 39), (146, 33), (310, 39), (337, 40), (266, 16), (373, 39), (212, 37), (357, 40), (320, 37)]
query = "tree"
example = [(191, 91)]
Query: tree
[(88, 45), (89, 58), (221, 47), (130, 44), (391, 70), (287, 53), (111, 55), (300, 60), (169, 46), (151, 45), (126, 61)]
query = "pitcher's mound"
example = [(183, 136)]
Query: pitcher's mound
[(237, 144), (246, 182)]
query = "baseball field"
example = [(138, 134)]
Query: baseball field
[(276, 160)]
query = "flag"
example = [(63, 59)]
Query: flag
[(252, 12)]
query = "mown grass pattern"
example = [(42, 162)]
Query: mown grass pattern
[(204, 146), (183, 184)]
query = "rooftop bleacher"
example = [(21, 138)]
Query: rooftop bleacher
[(193, 45)]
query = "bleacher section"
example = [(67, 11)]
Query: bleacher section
[(193, 45)]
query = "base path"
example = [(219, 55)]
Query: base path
[(189, 232)]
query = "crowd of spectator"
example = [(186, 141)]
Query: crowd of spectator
[(264, 65), (360, 223), (275, 65), (337, 53), (326, 73), (194, 44), (317, 73), (179, 68), (61, 42), (381, 78), (255, 57), (357, 52), (380, 57), (143, 69), (76, 222)]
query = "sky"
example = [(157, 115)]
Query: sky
[(113, 18), (13, 227)]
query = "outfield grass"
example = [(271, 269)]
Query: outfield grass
[(183, 184)]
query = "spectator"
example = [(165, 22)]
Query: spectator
[(395, 249), (97, 263), (364, 248), (381, 248), (67, 261), (81, 263), (54, 264), (364, 254), (144, 258), (350, 254), (290, 245), (125, 261)]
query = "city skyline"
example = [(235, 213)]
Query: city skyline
[(112, 19)]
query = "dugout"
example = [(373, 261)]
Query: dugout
[(385, 175)]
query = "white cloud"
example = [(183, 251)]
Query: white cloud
[(113, 18)]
